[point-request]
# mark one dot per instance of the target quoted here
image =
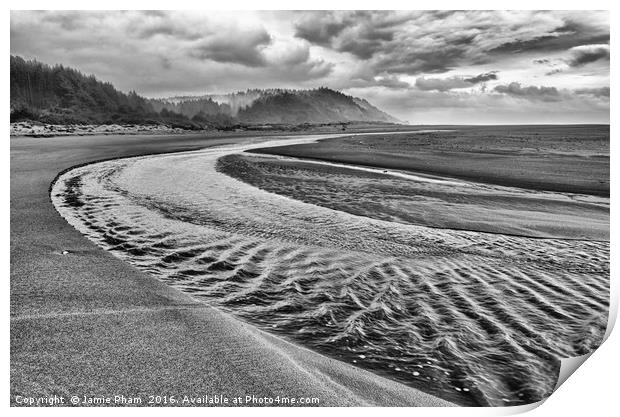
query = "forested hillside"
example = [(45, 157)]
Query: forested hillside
[(279, 106), (57, 94), (61, 95), (321, 105)]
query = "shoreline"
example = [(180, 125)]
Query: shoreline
[(87, 322), (471, 154), (46, 130)]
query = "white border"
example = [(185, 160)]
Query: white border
[(590, 391)]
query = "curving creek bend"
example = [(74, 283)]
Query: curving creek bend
[(472, 314)]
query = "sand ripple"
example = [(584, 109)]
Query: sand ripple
[(473, 317)]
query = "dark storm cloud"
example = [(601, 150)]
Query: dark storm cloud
[(480, 78), (361, 33), (370, 28), (576, 57), (411, 61), (320, 30), (530, 92), (585, 54), (412, 43), (455, 82), (567, 35), (244, 48)]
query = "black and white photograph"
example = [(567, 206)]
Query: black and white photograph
[(310, 208)]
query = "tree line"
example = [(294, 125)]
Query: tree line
[(61, 95)]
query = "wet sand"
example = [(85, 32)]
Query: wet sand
[(87, 323), (444, 203), (382, 294), (572, 159)]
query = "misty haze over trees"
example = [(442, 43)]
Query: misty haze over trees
[(62, 95)]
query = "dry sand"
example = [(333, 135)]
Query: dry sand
[(86, 323)]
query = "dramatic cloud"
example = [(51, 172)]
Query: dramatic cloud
[(585, 54), (569, 32), (421, 66), (434, 42), (245, 49), (322, 28), (451, 83), (161, 53), (530, 92), (577, 57), (480, 78)]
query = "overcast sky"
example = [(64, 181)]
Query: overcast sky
[(422, 67)]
